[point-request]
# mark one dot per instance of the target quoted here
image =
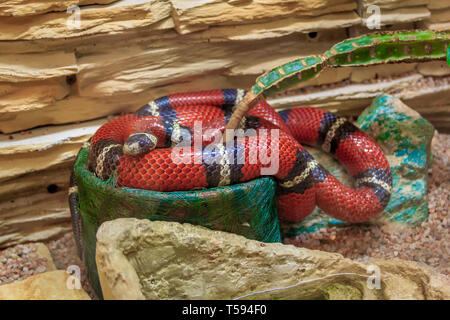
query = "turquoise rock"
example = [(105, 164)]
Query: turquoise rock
[(405, 137)]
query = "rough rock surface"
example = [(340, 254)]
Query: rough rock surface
[(394, 11), (45, 286), (139, 259), (34, 180), (440, 15), (34, 7)]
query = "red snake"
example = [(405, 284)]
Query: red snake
[(138, 148)]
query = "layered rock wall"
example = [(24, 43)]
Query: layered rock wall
[(61, 77)]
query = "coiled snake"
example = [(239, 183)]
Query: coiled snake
[(138, 147)]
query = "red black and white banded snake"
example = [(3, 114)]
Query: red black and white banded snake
[(138, 148)]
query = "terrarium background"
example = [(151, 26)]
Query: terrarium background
[(58, 85)]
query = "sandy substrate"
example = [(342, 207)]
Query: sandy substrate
[(428, 244), (22, 261)]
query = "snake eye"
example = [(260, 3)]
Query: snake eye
[(139, 143)]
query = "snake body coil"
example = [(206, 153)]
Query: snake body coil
[(302, 182), (137, 147)]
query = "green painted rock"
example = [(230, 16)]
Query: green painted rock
[(405, 138)]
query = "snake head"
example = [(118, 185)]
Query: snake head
[(139, 143)]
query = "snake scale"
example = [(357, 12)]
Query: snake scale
[(138, 147)]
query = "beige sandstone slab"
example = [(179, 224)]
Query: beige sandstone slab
[(140, 259), (190, 16), (124, 15), (437, 26), (261, 29), (440, 16), (34, 181), (34, 217), (88, 43), (34, 7), (37, 182), (75, 108), (29, 67), (393, 4), (282, 27), (398, 15), (434, 68), (438, 4), (69, 110), (43, 148), (127, 70), (105, 24), (380, 71), (418, 97), (345, 93), (45, 286), (31, 94)]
